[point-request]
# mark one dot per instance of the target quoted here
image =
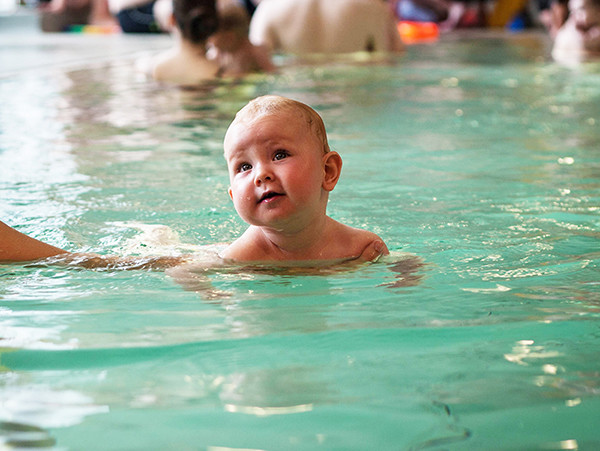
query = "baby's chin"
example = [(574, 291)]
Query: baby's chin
[(591, 40)]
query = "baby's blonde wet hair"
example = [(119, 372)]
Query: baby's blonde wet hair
[(272, 104)]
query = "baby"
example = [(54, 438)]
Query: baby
[(281, 171), (579, 37)]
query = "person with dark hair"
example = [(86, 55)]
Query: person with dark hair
[(186, 64)]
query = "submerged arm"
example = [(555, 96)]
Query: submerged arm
[(406, 272), (405, 269), (194, 278)]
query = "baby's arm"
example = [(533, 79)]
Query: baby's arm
[(18, 247), (192, 277)]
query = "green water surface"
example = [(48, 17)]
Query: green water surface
[(477, 154)]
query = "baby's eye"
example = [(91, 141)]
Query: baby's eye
[(244, 167), (280, 155)]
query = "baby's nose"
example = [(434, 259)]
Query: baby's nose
[(263, 174)]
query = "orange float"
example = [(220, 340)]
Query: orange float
[(413, 32)]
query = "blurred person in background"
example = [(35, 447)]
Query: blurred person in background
[(59, 15), (578, 39), (230, 45), (324, 26)]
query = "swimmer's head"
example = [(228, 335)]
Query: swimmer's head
[(196, 20), (273, 105)]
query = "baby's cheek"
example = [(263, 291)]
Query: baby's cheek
[(592, 42)]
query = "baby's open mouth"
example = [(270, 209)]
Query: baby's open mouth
[(269, 195)]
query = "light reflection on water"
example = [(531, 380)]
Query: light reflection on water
[(480, 158)]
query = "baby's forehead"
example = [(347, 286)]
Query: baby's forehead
[(247, 123), (249, 115)]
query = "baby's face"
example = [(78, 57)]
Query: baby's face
[(586, 17), (276, 171)]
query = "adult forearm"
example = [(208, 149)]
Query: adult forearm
[(16, 246)]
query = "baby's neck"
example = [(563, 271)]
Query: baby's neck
[(308, 243), (303, 243), (258, 244)]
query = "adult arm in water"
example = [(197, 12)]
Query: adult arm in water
[(18, 247)]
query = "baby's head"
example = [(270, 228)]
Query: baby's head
[(273, 105), (281, 169), (234, 26), (586, 14)]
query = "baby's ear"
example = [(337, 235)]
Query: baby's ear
[(332, 167), (230, 193)]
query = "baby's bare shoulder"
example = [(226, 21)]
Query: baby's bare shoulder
[(246, 248), (363, 244), (356, 233)]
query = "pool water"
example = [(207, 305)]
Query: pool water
[(477, 154)]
